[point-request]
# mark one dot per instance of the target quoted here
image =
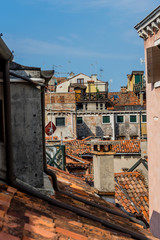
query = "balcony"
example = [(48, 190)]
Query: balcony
[(92, 97), (139, 87)]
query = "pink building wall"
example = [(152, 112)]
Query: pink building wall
[(153, 130)]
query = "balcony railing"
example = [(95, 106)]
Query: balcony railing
[(139, 87), (55, 156), (92, 97)]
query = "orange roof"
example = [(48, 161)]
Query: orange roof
[(24, 217), (132, 193), (127, 146), (123, 99)]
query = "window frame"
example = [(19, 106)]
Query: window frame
[(130, 118), (57, 118), (103, 119), (120, 115), (81, 122), (142, 118), (80, 81)]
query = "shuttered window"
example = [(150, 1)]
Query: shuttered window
[(153, 64)]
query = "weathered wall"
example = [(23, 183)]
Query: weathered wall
[(93, 125), (104, 173), (2, 144), (127, 161), (27, 133), (61, 105)]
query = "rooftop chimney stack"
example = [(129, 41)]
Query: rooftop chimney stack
[(103, 163)]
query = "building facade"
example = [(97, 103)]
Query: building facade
[(149, 30)]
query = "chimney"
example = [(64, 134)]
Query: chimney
[(123, 89), (94, 77), (103, 164)]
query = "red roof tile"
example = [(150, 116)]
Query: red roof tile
[(31, 218), (132, 193)]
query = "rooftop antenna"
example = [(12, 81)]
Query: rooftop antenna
[(142, 60), (69, 66), (91, 68), (101, 73)]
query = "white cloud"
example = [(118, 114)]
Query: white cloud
[(38, 47), (122, 5)]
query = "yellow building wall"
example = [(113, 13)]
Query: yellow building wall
[(92, 88), (144, 128)]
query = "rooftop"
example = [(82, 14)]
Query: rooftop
[(25, 217)]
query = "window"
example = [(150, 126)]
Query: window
[(133, 118), (101, 106), (1, 122), (80, 80), (120, 119), (144, 118), (106, 119), (60, 121), (153, 60), (79, 120)]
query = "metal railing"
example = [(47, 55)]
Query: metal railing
[(139, 87), (55, 156), (91, 97)]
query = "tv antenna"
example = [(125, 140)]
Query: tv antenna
[(142, 60)]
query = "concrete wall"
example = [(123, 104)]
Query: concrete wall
[(61, 105), (93, 125), (153, 130), (2, 144), (27, 133), (104, 173), (127, 161), (66, 132)]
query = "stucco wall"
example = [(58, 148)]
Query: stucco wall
[(153, 130), (2, 144), (27, 133)]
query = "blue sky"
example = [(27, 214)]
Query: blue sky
[(77, 35)]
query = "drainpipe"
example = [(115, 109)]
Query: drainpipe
[(8, 127), (140, 115)]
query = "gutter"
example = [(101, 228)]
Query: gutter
[(5, 53)]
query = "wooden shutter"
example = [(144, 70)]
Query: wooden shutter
[(153, 64)]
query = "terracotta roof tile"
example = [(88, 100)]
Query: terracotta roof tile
[(31, 218), (132, 194)]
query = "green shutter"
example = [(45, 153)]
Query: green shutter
[(79, 120), (144, 118), (133, 118), (106, 119), (119, 119)]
